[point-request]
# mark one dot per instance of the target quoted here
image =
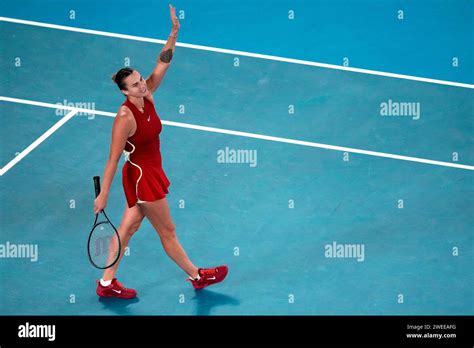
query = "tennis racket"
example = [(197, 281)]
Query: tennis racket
[(103, 245)]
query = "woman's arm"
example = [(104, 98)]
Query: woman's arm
[(166, 55), (120, 131)]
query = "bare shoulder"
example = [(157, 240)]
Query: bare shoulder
[(125, 121), (124, 112)]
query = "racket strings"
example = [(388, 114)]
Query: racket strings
[(104, 245)]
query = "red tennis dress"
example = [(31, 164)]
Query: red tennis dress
[(143, 177)]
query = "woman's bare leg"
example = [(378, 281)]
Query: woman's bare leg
[(158, 213), (131, 220)]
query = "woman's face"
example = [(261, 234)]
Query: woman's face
[(136, 85)]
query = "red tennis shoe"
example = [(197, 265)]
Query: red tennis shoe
[(209, 276), (115, 289)]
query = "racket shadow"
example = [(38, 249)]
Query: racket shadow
[(207, 300), (117, 305)]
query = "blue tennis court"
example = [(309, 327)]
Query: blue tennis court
[(327, 191)]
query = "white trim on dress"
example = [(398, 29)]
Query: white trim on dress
[(127, 158)]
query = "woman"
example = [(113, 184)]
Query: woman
[(136, 132)]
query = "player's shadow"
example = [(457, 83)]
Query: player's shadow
[(206, 300), (117, 305)]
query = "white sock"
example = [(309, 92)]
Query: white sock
[(105, 282), (197, 278)]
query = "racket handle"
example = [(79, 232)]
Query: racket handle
[(97, 185)]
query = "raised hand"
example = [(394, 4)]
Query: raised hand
[(174, 19)]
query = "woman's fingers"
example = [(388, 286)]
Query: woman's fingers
[(99, 205), (174, 19)]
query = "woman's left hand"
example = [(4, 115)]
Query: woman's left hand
[(174, 19)]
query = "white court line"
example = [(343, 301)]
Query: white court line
[(239, 53), (56, 106), (38, 141), (255, 136)]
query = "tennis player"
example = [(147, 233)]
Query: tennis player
[(135, 132)]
